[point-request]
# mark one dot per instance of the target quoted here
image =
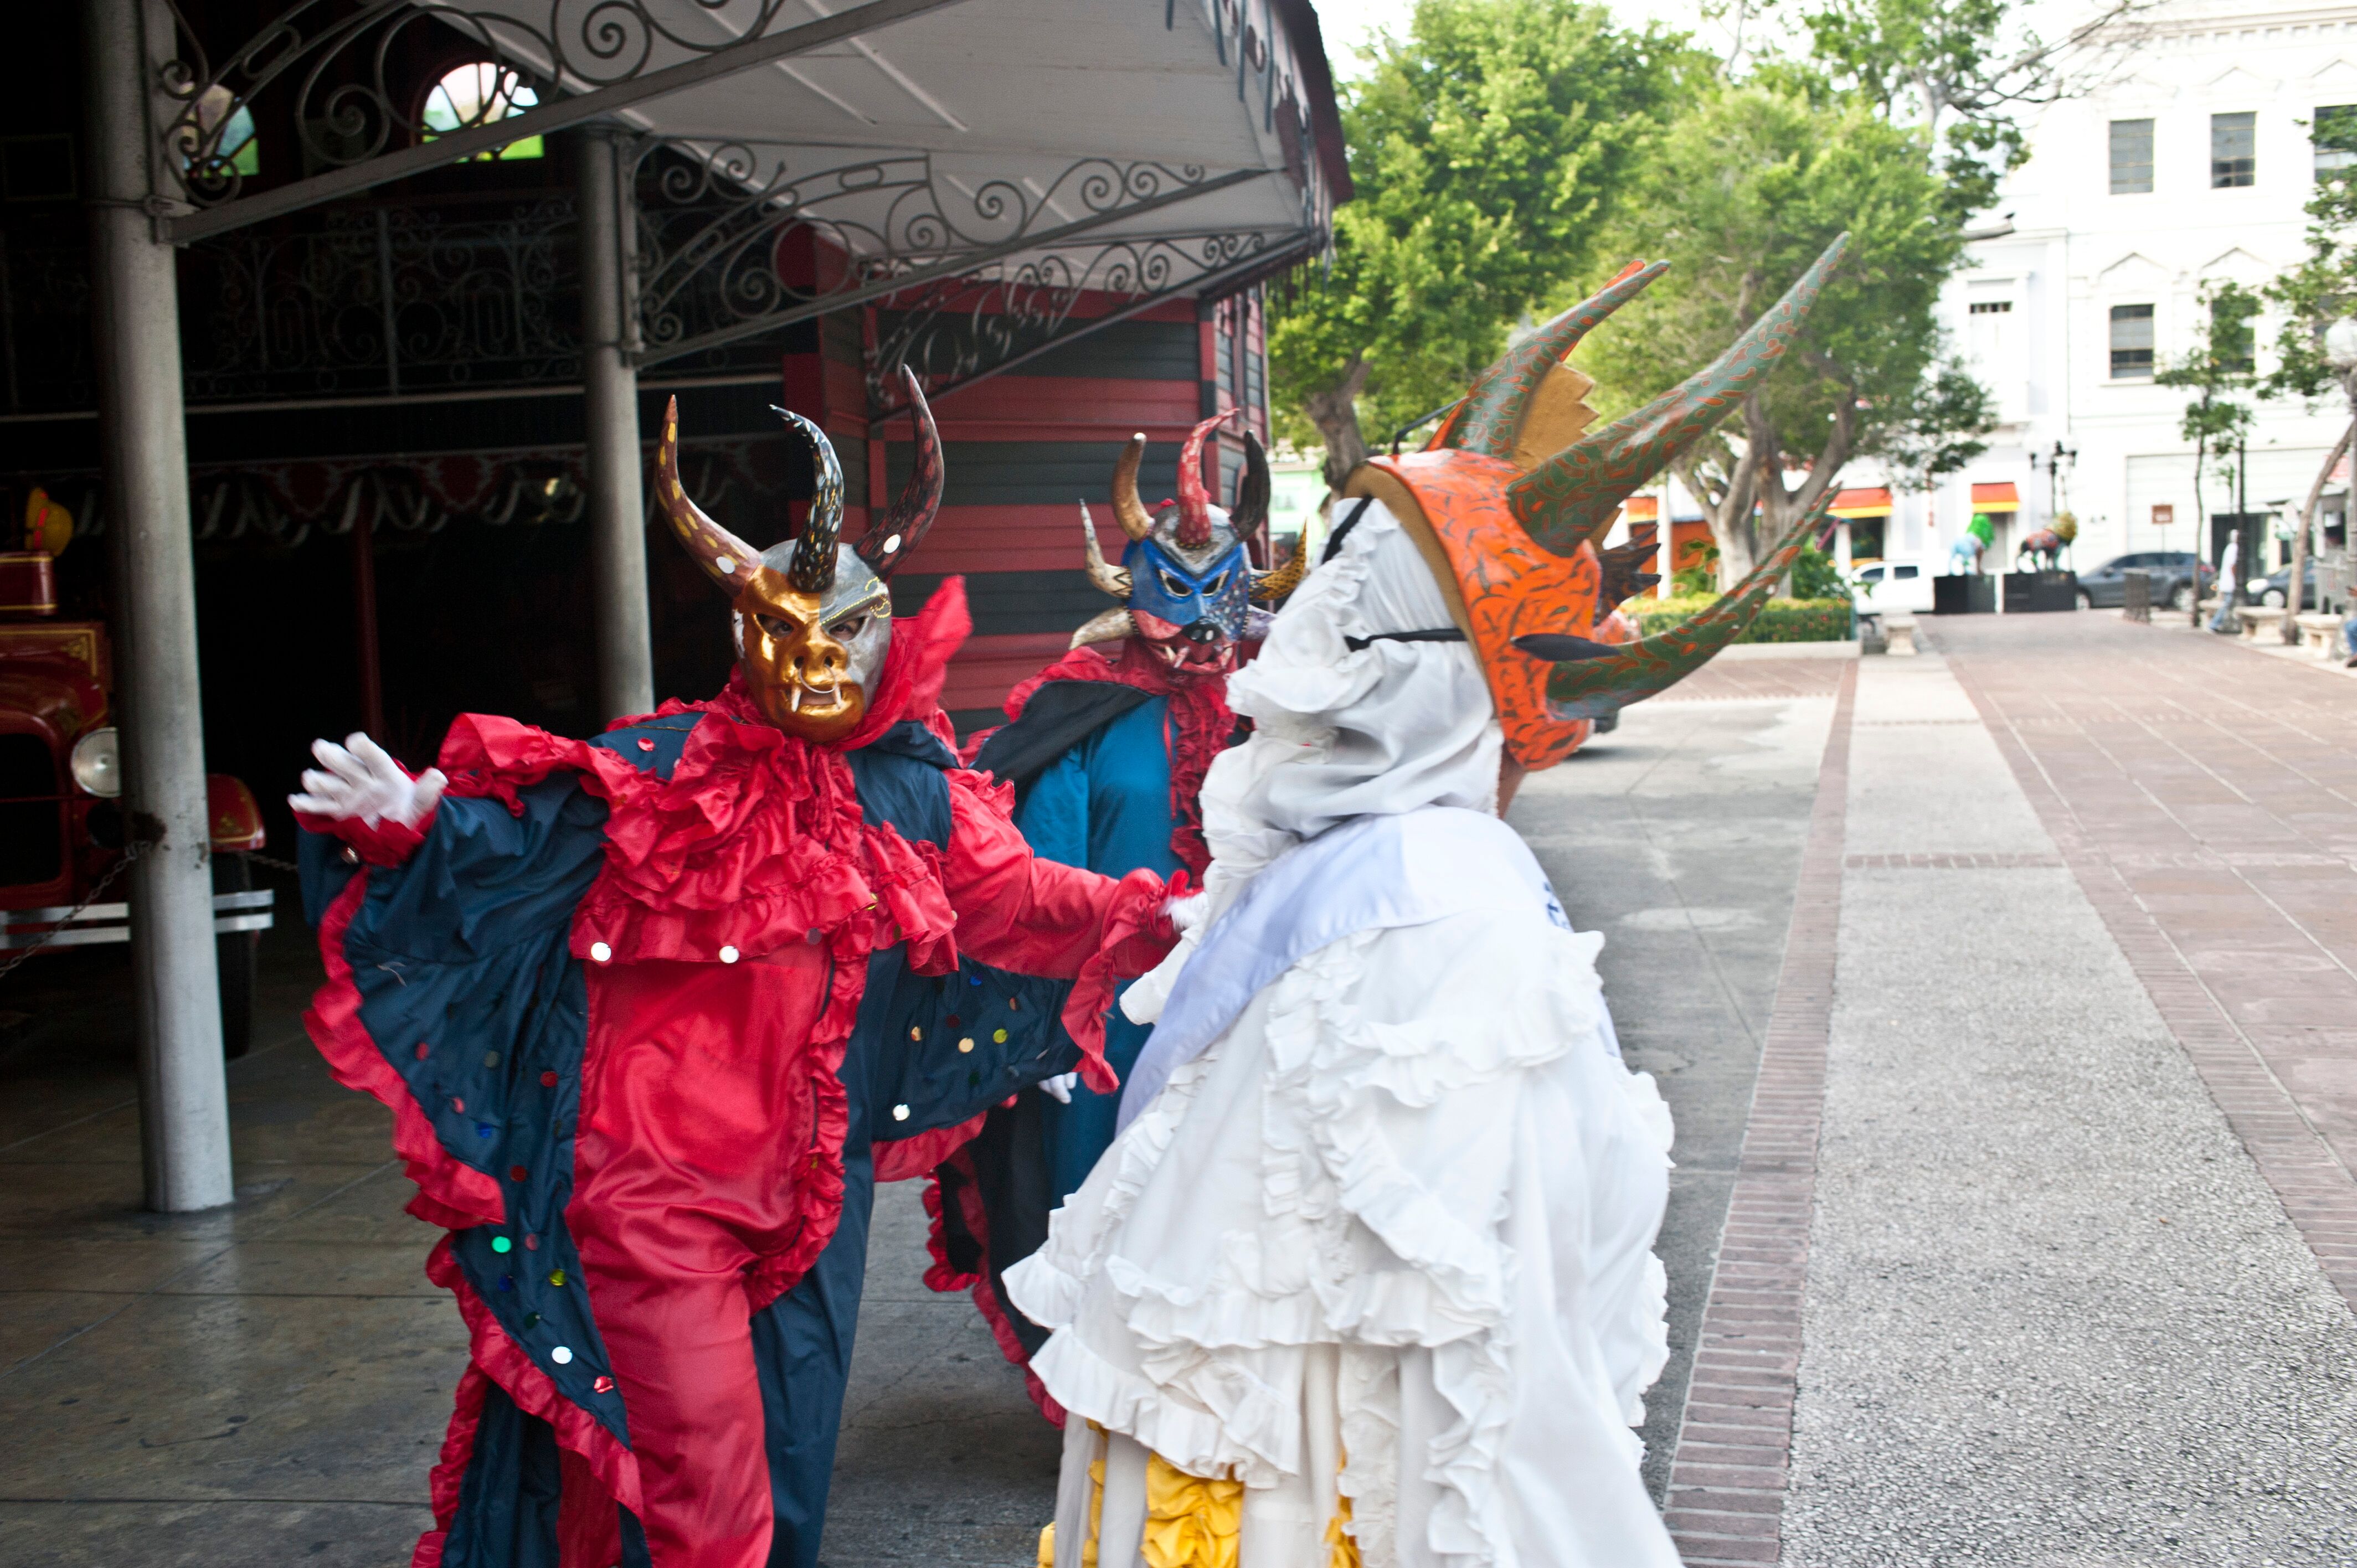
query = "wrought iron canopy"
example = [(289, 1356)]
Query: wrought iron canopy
[(1028, 87)]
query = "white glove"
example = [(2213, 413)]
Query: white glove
[(361, 782), (1059, 1088)]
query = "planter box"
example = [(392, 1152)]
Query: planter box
[(2033, 593), (1963, 595)]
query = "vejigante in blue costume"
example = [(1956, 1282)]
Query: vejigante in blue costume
[(1106, 749)]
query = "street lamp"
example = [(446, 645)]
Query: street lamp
[(2057, 463)]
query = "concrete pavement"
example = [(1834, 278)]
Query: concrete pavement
[(2006, 999)]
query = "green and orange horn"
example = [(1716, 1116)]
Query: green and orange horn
[(1598, 687), (1491, 415), (1570, 498)]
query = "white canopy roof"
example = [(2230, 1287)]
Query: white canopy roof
[(980, 123)]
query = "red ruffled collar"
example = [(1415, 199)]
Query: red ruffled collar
[(1201, 724)]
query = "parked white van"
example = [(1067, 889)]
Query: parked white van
[(1882, 587)]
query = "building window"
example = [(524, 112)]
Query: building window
[(1992, 307), (2131, 157), (2334, 134), (2233, 150), (479, 95), (2131, 342)]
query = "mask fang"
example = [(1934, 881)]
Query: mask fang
[(811, 569), (1115, 580), (1568, 499), (724, 557)]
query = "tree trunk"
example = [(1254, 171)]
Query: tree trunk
[(1335, 411), (2200, 528), (1727, 508), (2292, 593), (1779, 509)]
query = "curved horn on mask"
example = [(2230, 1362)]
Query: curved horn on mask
[(1136, 521), (1593, 688), (813, 567), (1272, 587), (1251, 509), (1194, 495), (886, 545), (724, 557), (1571, 498), (1113, 579), (1491, 415), (1110, 626)]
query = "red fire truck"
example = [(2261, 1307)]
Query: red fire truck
[(62, 833)]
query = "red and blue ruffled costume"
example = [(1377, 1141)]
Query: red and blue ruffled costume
[(653, 1013)]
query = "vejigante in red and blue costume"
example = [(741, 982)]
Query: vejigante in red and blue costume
[(654, 1011), (1106, 750)]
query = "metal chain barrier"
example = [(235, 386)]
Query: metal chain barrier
[(131, 851)]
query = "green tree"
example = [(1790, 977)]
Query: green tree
[(1487, 148), (1740, 195), (2312, 296), (2220, 371)]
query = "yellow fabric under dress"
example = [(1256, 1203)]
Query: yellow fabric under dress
[(1191, 1521)]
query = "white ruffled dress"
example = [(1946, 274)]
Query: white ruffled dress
[(1397, 1221), (1376, 1240)]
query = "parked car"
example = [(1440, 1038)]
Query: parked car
[(61, 831), (2270, 590), (2172, 574), (1880, 586)]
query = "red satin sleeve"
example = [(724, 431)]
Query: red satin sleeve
[(383, 842), (1014, 909)]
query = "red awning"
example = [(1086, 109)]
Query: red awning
[(1995, 498), (1642, 508), (1862, 503)]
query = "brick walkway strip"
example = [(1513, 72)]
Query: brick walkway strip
[(1727, 1480)]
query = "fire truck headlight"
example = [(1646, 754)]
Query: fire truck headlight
[(97, 765)]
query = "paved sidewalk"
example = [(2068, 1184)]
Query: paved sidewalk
[(2071, 1142), (2006, 999)]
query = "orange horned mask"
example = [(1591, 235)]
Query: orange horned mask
[(1509, 499)]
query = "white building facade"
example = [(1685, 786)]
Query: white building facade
[(2189, 162)]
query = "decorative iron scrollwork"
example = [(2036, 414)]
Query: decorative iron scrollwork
[(353, 69), (952, 331), (388, 299), (735, 240)]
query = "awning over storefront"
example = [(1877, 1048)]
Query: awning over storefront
[(1137, 148), (1995, 498), (1642, 508), (1873, 502)]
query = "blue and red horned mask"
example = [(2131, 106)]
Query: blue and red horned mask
[(1184, 578)]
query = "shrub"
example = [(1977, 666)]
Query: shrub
[(1779, 620)]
